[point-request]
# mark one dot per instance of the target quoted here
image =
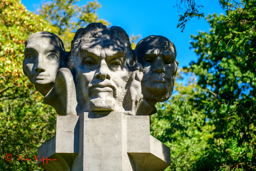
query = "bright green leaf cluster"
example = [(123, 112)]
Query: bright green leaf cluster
[(226, 67), (25, 123), (181, 126), (69, 17)]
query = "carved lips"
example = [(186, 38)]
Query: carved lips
[(40, 77), (158, 78), (102, 87)]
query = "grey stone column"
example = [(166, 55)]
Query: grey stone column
[(111, 142), (102, 143)]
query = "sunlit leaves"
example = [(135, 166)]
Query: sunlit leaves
[(226, 66), (23, 117), (67, 16), (180, 125)]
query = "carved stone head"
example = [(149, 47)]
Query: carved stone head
[(44, 55), (157, 54), (101, 58)]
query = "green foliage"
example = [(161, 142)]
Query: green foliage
[(25, 123), (181, 126), (227, 68), (191, 9), (133, 40), (69, 17), (224, 95)]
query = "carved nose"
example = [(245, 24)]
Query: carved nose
[(159, 65), (103, 72), (40, 66)]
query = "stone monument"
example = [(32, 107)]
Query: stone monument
[(104, 93)]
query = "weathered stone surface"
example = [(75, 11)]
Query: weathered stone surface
[(146, 153), (112, 141), (44, 55), (63, 146), (157, 54), (103, 61), (105, 97), (108, 75), (63, 95), (102, 143)]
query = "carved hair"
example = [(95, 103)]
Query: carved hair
[(155, 42), (99, 34), (164, 44), (58, 41), (48, 34)]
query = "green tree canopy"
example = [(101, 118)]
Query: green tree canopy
[(181, 126), (224, 97), (68, 17), (226, 69), (25, 123)]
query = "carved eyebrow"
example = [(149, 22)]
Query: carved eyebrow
[(150, 52), (28, 49), (150, 55), (169, 56), (48, 49), (117, 55), (89, 53)]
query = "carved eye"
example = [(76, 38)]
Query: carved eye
[(115, 63), (149, 59), (89, 62), (168, 61), (29, 55), (53, 56)]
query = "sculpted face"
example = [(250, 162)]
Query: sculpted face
[(41, 62), (103, 75), (100, 60), (158, 58)]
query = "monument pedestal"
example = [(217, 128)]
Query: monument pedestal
[(111, 142)]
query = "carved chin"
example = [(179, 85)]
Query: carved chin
[(157, 93), (157, 97), (159, 89), (102, 104)]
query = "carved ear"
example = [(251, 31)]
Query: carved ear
[(176, 67), (65, 91)]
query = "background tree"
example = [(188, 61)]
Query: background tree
[(25, 123), (180, 125), (226, 69), (224, 93), (224, 96), (68, 17), (190, 9)]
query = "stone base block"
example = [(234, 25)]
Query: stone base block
[(63, 146), (109, 142)]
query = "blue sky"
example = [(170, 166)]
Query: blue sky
[(148, 17)]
